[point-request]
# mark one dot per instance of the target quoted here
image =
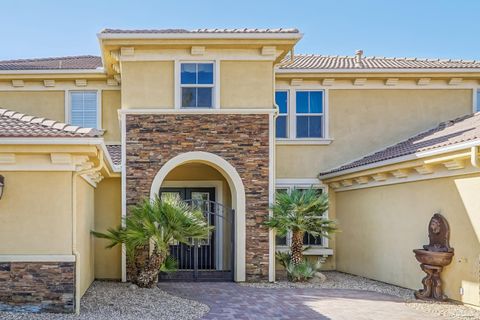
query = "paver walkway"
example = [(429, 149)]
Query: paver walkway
[(233, 301)]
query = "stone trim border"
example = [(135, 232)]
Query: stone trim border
[(37, 287)]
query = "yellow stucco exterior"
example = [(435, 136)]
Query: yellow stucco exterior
[(111, 103), (246, 84), (381, 226), (147, 84), (49, 104), (85, 222), (108, 214), (362, 121), (44, 212), (32, 203)]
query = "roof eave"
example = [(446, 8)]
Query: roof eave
[(93, 141), (415, 156)]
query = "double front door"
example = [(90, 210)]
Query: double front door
[(199, 254)]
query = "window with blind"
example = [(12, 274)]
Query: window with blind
[(84, 109)]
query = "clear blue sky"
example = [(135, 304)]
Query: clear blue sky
[(412, 28)]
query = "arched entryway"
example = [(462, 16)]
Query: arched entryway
[(184, 172)]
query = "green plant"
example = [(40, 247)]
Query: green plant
[(169, 265), (151, 227), (299, 212), (303, 271), (283, 257)]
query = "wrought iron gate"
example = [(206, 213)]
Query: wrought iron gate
[(210, 259)]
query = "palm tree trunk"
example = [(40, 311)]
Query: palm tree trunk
[(297, 247), (147, 277)]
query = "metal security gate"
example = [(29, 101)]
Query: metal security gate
[(210, 259)]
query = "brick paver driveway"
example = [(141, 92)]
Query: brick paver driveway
[(233, 301)]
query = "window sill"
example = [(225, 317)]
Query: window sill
[(312, 251), (318, 142)]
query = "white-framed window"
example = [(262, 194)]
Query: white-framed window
[(477, 106), (281, 127), (302, 115), (197, 84), (309, 114), (84, 108), (308, 240)]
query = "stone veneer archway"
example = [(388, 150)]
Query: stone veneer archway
[(236, 187), (237, 145)]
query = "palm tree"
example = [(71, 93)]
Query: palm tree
[(155, 225), (300, 212)]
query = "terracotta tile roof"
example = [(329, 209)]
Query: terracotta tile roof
[(320, 62), (54, 63), (18, 125), (463, 129), (237, 30), (115, 152)]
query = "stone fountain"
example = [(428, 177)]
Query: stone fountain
[(433, 257)]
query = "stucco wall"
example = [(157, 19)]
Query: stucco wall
[(246, 84), (85, 208), (363, 121), (110, 104), (49, 104), (380, 227), (35, 213), (201, 172), (108, 214), (147, 84)]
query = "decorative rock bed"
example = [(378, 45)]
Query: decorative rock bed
[(339, 280), (114, 300)]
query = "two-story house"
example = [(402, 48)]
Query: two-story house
[(227, 117)]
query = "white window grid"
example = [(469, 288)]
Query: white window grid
[(297, 115), (197, 85), (292, 114), (289, 188), (287, 122)]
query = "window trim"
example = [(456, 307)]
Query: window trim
[(476, 100), (291, 184), (292, 118), (215, 87), (287, 115), (298, 114), (68, 105)]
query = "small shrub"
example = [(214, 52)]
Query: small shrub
[(284, 258), (303, 271)]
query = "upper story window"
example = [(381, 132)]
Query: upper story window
[(309, 114), (304, 119), (477, 107), (281, 99), (83, 109), (196, 85)]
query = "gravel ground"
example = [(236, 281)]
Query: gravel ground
[(339, 280), (114, 300)]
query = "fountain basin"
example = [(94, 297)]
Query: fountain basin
[(438, 259)]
